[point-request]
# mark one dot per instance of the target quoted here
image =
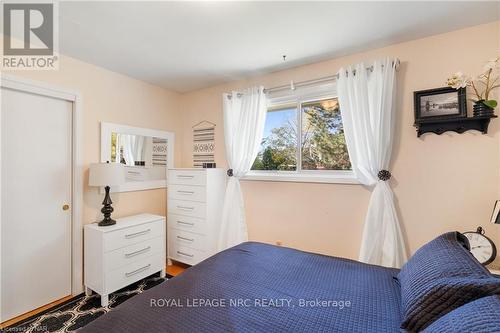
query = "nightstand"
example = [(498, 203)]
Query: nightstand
[(124, 253)]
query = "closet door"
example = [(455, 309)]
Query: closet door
[(36, 177)]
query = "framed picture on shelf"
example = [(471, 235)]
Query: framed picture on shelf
[(440, 103)]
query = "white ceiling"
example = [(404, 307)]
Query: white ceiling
[(185, 46)]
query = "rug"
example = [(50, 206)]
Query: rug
[(81, 310)]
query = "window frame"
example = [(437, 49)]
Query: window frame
[(304, 95)]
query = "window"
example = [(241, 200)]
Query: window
[(279, 144), (303, 141), (323, 144)]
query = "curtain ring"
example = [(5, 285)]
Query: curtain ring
[(230, 172), (384, 175)]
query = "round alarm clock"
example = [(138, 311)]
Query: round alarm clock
[(481, 247)]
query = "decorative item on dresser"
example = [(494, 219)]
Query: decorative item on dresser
[(106, 174), (124, 253), (195, 199)]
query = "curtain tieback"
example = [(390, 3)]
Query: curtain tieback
[(230, 172), (384, 175)]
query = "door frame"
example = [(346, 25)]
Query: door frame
[(45, 89)]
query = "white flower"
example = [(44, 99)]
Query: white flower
[(491, 64), (458, 80)]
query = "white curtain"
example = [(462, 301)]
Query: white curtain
[(244, 119), (138, 146), (128, 143), (366, 95)]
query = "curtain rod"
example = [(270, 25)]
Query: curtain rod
[(325, 79), (293, 86)]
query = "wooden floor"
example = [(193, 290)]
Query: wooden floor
[(176, 268), (172, 270)]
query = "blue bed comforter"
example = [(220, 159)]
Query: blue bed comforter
[(256, 287)]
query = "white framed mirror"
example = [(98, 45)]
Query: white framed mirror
[(146, 153)]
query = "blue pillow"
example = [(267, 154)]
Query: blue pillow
[(480, 316), (440, 277)]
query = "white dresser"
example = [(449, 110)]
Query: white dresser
[(195, 200), (118, 255)]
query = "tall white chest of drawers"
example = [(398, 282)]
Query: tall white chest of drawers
[(121, 254), (195, 200)]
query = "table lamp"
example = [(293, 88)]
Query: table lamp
[(106, 174)]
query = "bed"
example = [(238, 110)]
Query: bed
[(256, 287)]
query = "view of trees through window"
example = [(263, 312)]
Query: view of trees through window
[(322, 141)]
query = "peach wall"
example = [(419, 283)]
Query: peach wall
[(442, 183), (112, 97)]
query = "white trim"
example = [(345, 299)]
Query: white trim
[(77, 200), (328, 177), (39, 88), (108, 128), (44, 89)]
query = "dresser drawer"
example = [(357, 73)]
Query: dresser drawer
[(129, 254), (188, 239), (187, 192), (133, 272), (187, 208), (187, 177), (187, 223), (133, 235), (185, 254)]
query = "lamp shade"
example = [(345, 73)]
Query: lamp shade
[(106, 174)]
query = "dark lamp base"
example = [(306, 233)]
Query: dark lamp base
[(105, 223), (107, 210)]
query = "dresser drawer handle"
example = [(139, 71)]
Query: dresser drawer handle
[(186, 192), (186, 239), (129, 274), (137, 234), (186, 223), (184, 176), (185, 208), (185, 254), (133, 254)]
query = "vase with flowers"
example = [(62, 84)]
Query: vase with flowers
[(482, 87)]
